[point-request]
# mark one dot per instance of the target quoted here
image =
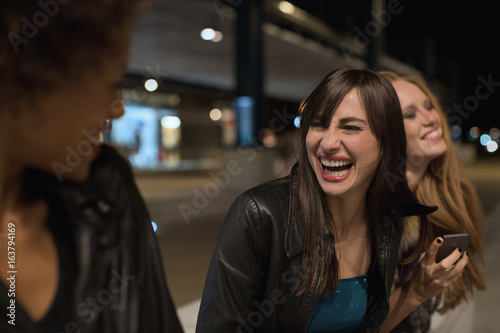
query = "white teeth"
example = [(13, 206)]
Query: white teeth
[(432, 135), (334, 163), (336, 173)]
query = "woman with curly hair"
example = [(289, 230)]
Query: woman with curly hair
[(436, 175), (77, 250)]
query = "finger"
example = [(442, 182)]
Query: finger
[(455, 271), (452, 259), (455, 275), (430, 257), (462, 262)]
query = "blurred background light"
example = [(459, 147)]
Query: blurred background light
[(269, 138), (151, 85), (494, 133), (170, 122), (174, 100), (474, 133), (215, 114), (455, 132), (286, 7), (492, 146), (155, 226), (296, 121), (485, 139), (207, 34), (218, 37)]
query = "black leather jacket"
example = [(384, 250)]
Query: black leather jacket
[(120, 285), (254, 268)]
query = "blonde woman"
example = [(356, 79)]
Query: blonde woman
[(436, 175)]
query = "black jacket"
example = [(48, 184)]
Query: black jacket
[(119, 286), (255, 266)]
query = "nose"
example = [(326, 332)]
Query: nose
[(430, 117), (331, 140), (117, 109)]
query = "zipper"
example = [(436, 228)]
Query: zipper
[(316, 296), (388, 288), (315, 300)]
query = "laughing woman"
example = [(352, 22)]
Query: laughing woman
[(316, 251)]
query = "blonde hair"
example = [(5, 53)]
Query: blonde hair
[(446, 185)]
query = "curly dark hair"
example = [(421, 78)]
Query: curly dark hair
[(44, 43)]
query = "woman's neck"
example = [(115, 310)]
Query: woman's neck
[(349, 215), (414, 175), (13, 207)]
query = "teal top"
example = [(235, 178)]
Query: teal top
[(344, 310)]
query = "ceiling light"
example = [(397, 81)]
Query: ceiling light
[(215, 114), (286, 7), (170, 122), (208, 34), (151, 85)]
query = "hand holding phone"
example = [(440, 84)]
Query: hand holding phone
[(452, 242)]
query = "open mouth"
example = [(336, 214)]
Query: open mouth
[(436, 134), (335, 168)]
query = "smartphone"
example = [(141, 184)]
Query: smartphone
[(451, 242)]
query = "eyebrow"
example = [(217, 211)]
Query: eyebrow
[(346, 120), (409, 107)]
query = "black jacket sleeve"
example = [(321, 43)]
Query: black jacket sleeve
[(236, 276)]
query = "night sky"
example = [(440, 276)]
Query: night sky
[(455, 43)]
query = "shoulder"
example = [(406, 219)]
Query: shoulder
[(272, 197), (260, 208), (110, 181), (111, 173), (270, 191), (110, 164)]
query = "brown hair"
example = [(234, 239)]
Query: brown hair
[(44, 43), (386, 121), (445, 184)]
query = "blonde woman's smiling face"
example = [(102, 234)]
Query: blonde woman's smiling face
[(422, 123)]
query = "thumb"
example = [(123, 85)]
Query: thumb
[(422, 256)]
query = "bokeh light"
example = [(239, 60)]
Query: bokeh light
[(215, 114), (473, 133), (485, 139), (455, 132), (286, 7), (492, 146), (218, 37), (151, 85), (170, 122), (494, 133), (296, 121), (207, 34)]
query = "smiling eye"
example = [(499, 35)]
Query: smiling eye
[(409, 115), (317, 123), (352, 128), (428, 106)]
